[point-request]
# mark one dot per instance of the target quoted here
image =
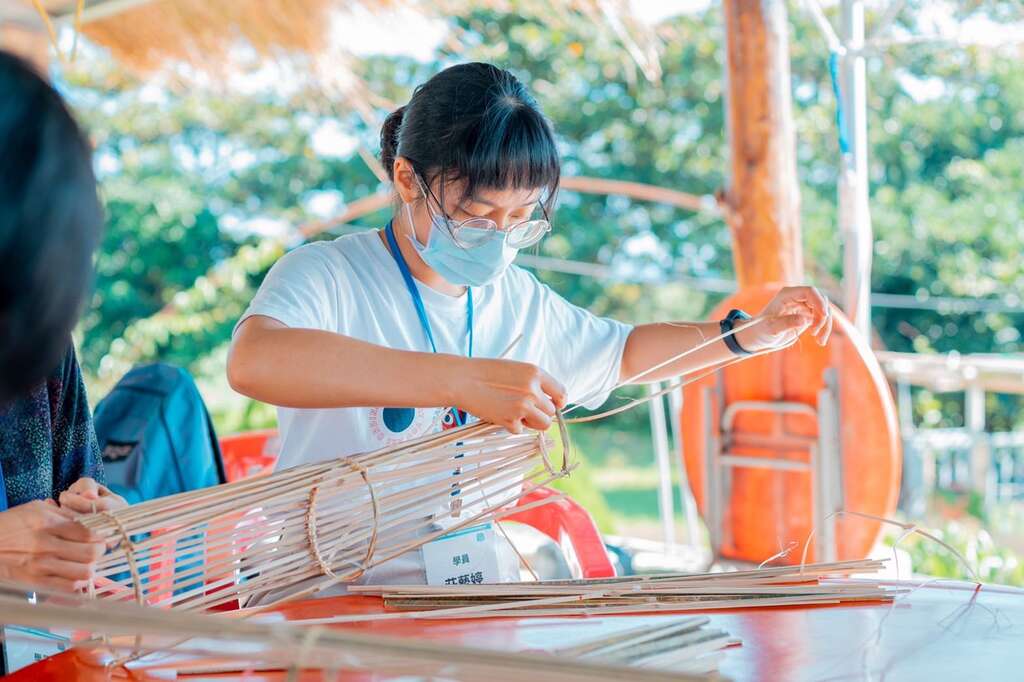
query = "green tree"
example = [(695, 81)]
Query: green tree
[(183, 171)]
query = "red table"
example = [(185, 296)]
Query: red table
[(939, 632)]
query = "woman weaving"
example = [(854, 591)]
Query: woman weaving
[(50, 222), (383, 336)]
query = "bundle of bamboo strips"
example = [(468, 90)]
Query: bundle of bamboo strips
[(775, 586), (327, 521), (160, 641)]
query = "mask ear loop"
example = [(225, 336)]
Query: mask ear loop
[(449, 223), (426, 195), (412, 229)]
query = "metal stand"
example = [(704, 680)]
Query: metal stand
[(824, 460)]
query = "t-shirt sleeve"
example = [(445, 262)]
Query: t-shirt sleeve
[(580, 349), (76, 452), (300, 291)]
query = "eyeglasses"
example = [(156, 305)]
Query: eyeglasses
[(477, 231)]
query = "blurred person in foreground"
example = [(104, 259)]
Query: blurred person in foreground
[(50, 224)]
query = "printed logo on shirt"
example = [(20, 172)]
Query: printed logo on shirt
[(449, 420), (391, 425)]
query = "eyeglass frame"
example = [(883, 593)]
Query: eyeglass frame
[(456, 225)]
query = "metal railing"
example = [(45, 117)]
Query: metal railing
[(967, 458)]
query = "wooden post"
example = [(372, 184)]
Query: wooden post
[(762, 196), (980, 456)]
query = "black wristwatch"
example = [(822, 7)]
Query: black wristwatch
[(726, 326)]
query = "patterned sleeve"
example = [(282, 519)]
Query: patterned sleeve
[(76, 452)]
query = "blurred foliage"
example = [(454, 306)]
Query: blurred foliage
[(994, 562), (190, 177), (986, 533), (580, 485)]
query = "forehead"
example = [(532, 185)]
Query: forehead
[(495, 198)]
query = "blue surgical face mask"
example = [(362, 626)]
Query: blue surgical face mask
[(471, 266)]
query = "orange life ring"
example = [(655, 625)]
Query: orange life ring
[(769, 510)]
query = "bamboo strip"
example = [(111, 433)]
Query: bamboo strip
[(762, 587), (252, 644)]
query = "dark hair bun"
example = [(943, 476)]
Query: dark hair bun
[(389, 140)]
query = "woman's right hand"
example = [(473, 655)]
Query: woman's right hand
[(43, 545), (509, 393)]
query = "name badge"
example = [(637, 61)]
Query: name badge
[(465, 557)]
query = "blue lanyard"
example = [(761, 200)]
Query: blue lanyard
[(3, 490), (417, 300)]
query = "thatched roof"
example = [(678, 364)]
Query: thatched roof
[(210, 36)]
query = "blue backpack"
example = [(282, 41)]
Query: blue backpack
[(156, 435)]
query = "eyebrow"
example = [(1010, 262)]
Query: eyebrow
[(475, 200)]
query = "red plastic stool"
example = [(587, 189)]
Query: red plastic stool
[(572, 527), (252, 453)]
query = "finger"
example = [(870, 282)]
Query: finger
[(86, 487), (59, 513), (544, 404), (56, 584), (78, 503), (786, 301), (70, 550), (110, 502), (84, 505), (789, 323), (553, 388), (817, 304), (826, 313), (536, 420), (804, 293), (808, 298), (819, 328), (62, 568), (72, 531), (827, 333), (822, 323)]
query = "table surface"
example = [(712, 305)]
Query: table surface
[(940, 631)]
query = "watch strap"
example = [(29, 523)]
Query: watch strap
[(727, 325)]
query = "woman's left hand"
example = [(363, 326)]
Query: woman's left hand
[(793, 311), (86, 496)]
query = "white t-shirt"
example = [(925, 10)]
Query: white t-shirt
[(353, 286)]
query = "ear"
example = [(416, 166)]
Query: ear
[(406, 183)]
